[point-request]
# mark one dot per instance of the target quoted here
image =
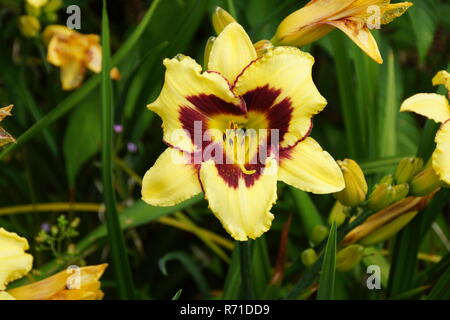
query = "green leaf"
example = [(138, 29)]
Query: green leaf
[(232, 285), (191, 267), (307, 211), (423, 21), (441, 290), (177, 295), (82, 138), (120, 263), (327, 274)]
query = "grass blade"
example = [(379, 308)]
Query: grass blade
[(327, 276), (120, 261), (246, 276)]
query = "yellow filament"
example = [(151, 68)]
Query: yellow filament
[(245, 171)]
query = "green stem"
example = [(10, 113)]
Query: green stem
[(120, 261), (244, 251)]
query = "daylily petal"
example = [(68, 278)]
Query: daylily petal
[(280, 85), (52, 30), (308, 167), (5, 112), (231, 52), (393, 11), (361, 36), (171, 180), (72, 74), (431, 105), (94, 58), (441, 156), (442, 78), (6, 296), (5, 137), (56, 285), (14, 262), (241, 202), (290, 31), (189, 95)]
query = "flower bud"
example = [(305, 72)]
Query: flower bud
[(32, 10), (407, 168), (349, 257), (319, 233), (208, 47), (380, 196), (29, 26), (309, 257), (389, 230), (337, 214), (262, 47), (425, 182), (399, 192), (221, 19), (53, 5), (355, 184), (54, 230)]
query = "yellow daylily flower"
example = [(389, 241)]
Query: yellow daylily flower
[(15, 263), (436, 107), (222, 124), (353, 17), (56, 287), (73, 52), (5, 137)]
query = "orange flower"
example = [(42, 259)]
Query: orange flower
[(73, 52)]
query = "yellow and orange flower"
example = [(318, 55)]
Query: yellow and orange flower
[(436, 107), (222, 125), (15, 263), (5, 137), (353, 17), (73, 53)]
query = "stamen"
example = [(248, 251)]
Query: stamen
[(245, 171)]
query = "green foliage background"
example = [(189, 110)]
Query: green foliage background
[(59, 159)]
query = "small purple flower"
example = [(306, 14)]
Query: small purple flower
[(132, 147), (118, 128), (45, 227)]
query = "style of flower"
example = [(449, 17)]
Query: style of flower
[(243, 104), (15, 263), (436, 107), (353, 17), (73, 53), (5, 137)]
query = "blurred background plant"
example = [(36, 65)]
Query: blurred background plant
[(55, 168)]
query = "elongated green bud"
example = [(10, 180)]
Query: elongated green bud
[(309, 257), (349, 257), (53, 5), (388, 230), (407, 168), (425, 182), (337, 214), (319, 233), (380, 196), (208, 48), (399, 192), (355, 184), (221, 19), (29, 26)]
